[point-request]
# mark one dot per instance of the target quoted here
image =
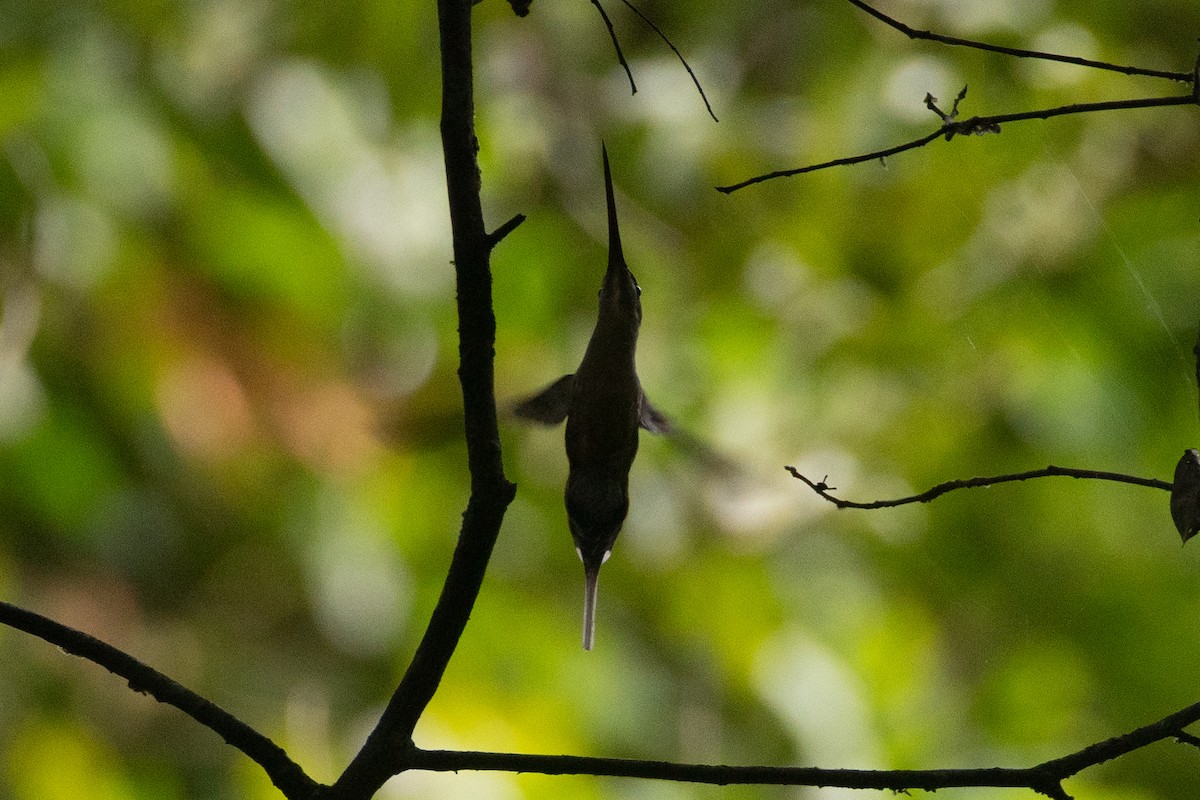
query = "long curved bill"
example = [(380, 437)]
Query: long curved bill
[(591, 584)]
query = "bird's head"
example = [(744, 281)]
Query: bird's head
[(620, 295), (596, 510)]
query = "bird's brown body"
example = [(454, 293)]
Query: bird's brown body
[(604, 406)]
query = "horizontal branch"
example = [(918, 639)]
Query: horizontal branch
[(283, 772), (719, 774), (954, 41), (972, 126), (1045, 778), (823, 489)]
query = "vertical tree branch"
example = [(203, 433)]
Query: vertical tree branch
[(386, 751)]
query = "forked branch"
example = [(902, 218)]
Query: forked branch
[(951, 126), (972, 126)]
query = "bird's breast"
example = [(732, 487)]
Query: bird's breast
[(602, 424)]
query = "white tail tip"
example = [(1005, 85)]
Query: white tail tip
[(592, 579)]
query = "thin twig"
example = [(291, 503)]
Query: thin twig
[(823, 489), (1045, 778), (913, 33), (837, 162), (972, 126), (1183, 737), (612, 34), (283, 772), (497, 236), (675, 50)]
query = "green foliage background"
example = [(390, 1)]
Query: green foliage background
[(230, 435)]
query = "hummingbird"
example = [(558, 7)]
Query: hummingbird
[(604, 406)]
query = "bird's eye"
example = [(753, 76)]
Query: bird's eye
[(639, 288)]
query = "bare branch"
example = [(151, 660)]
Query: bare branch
[(675, 50), (973, 126), (954, 41), (837, 162), (612, 34), (287, 776), (823, 489), (388, 746), (1045, 778), (718, 774), (497, 236), (1183, 737)]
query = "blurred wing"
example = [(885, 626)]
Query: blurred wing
[(691, 446), (652, 419), (704, 455), (550, 405)]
